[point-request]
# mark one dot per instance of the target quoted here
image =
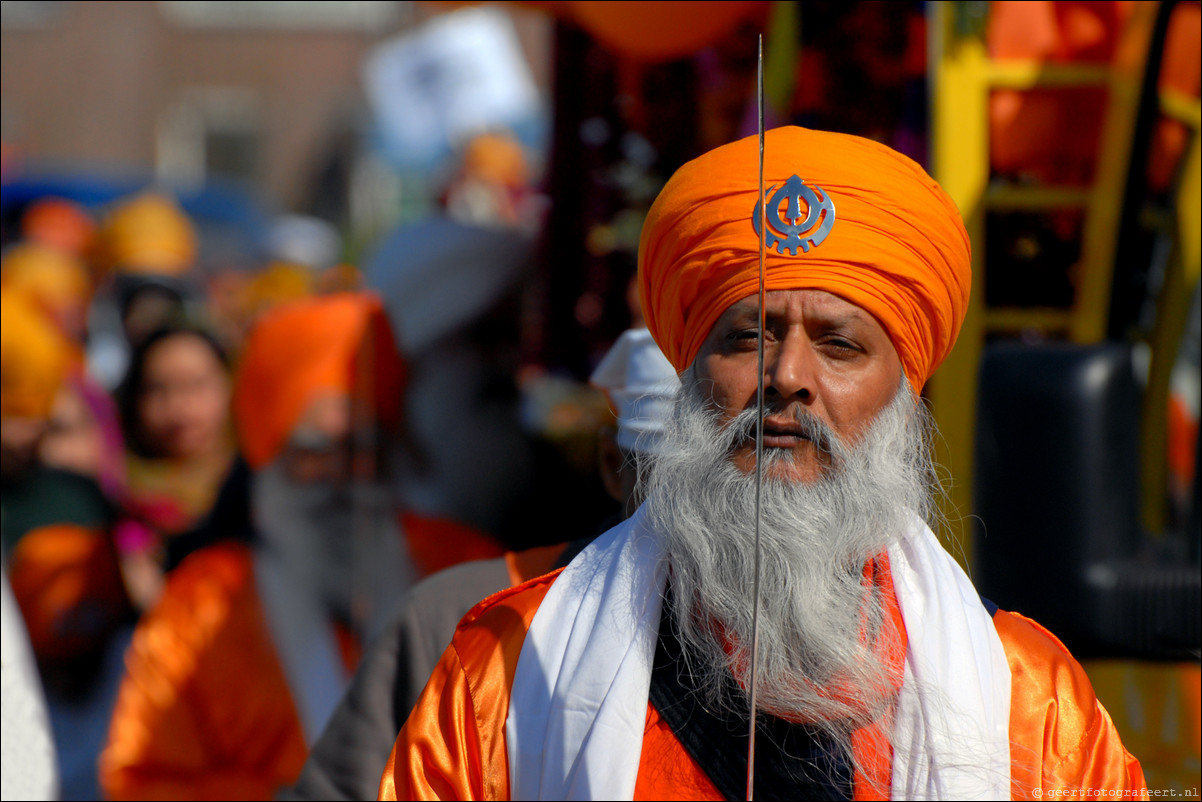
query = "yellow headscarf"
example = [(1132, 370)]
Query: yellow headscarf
[(35, 357)]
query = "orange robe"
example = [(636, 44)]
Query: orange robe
[(205, 711), (453, 746)]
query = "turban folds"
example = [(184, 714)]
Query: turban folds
[(896, 247), (340, 343)]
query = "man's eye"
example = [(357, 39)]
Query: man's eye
[(745, 336), (840, 346)]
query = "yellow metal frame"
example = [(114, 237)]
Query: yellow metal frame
[(962, 77)]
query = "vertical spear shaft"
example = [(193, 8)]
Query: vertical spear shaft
[(759, 440)]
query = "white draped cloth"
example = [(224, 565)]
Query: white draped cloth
[(578, 705)]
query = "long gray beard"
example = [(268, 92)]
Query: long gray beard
[(340, 544), (818, 619)]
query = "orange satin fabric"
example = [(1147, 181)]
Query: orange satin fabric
[(454, 741), (453, 745), (897, 248), (204, 711), (299, 350), (1060, 735)]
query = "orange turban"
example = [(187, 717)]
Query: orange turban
[(298, 350), (35, 358), (59, 223), (879, 232)]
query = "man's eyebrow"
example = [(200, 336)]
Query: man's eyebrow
[(851, 317)]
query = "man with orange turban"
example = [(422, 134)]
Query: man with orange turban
[(235, 670), (56, 526), (879, 672)]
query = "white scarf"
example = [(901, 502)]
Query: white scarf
[(578, 706)]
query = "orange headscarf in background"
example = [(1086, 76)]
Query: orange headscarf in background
[(896, 248), (61, 224), (35, 358), (57, 281), (297, 351)]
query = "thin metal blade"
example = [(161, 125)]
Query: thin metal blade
[(759, 441)]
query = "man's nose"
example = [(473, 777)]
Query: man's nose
[(789, 369)]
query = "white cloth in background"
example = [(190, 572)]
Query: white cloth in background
[(641, 385), (30, 770)]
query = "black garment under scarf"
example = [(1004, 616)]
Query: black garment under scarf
[(792, 761)]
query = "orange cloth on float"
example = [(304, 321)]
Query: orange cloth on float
[(205, 711), (1052, 134), (897, 246), (657, 31), (453, 745), (299, 350)]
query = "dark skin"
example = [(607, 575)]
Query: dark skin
[(821, 353)]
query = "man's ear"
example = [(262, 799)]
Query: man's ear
[(610, 460)]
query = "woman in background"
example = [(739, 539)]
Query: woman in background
[(175, 410)]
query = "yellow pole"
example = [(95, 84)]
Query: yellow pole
[(960, 162)]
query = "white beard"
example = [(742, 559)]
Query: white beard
[(818, 620)]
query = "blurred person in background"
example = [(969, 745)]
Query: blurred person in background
[(349, 758), (493, 186), (146, 249), (82, 435), (299, 260), (175, 411), (60, 283), (237, 667), (58, 548)]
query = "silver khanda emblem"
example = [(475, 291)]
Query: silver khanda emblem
[(788, 227)]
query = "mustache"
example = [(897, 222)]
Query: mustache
[(792, 419)]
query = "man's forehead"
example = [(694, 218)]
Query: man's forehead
[(776, 302)]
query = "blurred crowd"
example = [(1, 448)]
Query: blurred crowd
[(214, 491)]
